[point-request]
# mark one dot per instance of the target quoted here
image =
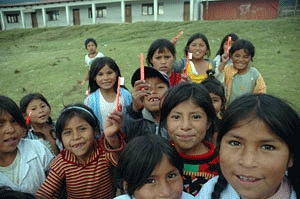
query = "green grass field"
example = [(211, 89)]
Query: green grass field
[(51, 60)]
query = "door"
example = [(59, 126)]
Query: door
[(34, 20), (128, 15), (186, 11), (76, 17)]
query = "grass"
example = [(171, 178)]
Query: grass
[(51, 60)]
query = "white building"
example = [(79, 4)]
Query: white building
[(50, 13)]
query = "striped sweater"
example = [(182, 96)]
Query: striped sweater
[(91, 180)]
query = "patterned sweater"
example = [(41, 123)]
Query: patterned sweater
[(198, 169), (94, 179)]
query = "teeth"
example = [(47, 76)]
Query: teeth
[(246, 178)]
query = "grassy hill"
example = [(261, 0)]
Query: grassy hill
[(51, 60)]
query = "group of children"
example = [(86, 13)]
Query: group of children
[(180, 133)]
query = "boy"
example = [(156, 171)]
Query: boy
[(143, 115)]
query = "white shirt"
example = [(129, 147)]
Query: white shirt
[(35, 160)]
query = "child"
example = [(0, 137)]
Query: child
[(217, 94), (143, 115), (259, 151), (199, 47), (23, 162), (149, 167), (37, 110), (240, 78), (188, 114), (85, 164), (103, 85), (218, 62), (91, 46), (161, 55)]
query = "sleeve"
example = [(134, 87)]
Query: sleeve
[(52, 185), (112, 155), (260, 86)]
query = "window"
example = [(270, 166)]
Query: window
[(12, 18), (90, 13), (53, 15), (148, 9), (101, 12)]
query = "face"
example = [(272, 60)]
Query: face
[(106, 78), (165, 182), (157, 89), (198, 49), (241, 60), (253, 159), (217, 102), (91, 47), (187, 125), (40, 111), (10, 133), (78, 137), (163, 61)]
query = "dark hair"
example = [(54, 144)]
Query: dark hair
[(160, 45), (194, 37), (233, 36), (184, 91), (88, 40), (33, 96), (8, 193), (215, 86), (97, 65), (79, 110), (277, 114), (8, 105), (140, 157), (243, 44)]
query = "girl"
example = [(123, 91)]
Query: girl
[(85, 164), (199, 47), (91, 46), (37, 110), (23, 162), (259, 151), (161, 55), (149, 167), (221, 55), (217, 94), (188, 114), (240, 78), (103, 85)]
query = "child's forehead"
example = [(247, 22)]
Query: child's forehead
[(154, 78)]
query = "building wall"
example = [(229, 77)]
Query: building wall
[(241, 9)]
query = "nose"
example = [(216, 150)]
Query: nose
[(165, 190), (185, 125), (248, 157), (76, 135)]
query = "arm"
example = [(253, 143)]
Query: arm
[(260, 86), (86, 77), (111, 130)]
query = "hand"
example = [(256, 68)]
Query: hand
[(83, 81), (113, 123), (140, 90), (185, 78)]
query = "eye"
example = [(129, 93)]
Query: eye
[(195, 117), (268, 147), (150, 181), (175, 117), (82, 128), (66, 132), (173, 175), (234, 143)]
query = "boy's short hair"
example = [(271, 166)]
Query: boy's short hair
[(150, 72)]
